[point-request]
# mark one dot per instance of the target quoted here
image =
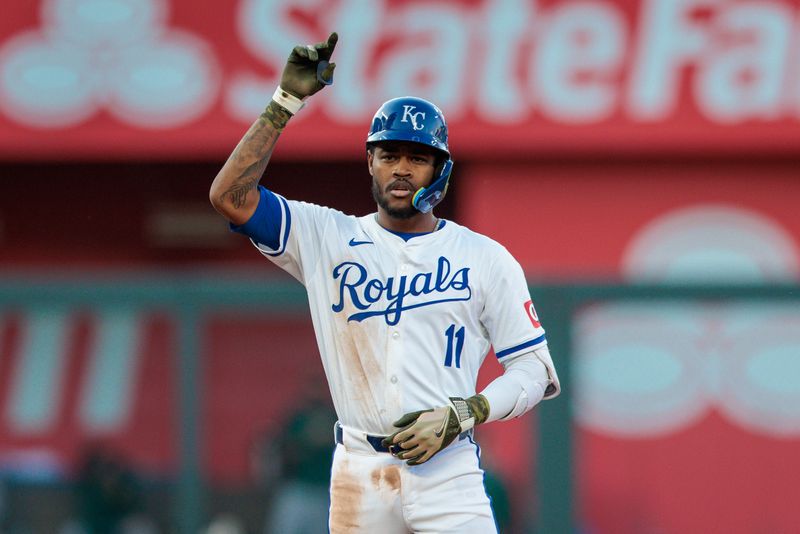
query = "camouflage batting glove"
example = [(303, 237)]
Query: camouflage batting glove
[(424, 433), (308, 68)]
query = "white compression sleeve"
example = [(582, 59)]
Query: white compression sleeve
[(518, 389)]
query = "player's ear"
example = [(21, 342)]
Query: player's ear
[(370, 157)]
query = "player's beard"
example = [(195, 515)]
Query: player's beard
[(382, 200)]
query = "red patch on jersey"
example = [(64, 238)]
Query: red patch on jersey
[(531, 311)]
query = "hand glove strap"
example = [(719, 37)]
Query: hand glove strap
[(466, 419), (287, 101)]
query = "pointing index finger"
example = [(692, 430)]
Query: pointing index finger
[(326, 49)]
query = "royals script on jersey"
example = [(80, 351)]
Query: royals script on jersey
[(402, 325)]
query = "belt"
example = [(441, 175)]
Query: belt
[(376, 442)]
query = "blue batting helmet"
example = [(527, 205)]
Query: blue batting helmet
[(415, 120)]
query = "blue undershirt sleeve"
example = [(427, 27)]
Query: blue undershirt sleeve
[(264, 226)]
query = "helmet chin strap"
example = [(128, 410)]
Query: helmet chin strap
[(426, 198)]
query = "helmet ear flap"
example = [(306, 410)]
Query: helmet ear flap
[(439, 168), (426, 198)]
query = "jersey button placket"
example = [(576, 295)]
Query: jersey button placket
[(393, 392), (393, 397), (397, 348)]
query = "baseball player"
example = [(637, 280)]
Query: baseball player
[(405, 308)]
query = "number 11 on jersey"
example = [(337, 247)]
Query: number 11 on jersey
[(453, 349)]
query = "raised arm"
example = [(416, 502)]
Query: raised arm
[(233, 192)]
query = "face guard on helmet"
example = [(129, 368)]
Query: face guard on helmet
[(415, 120)]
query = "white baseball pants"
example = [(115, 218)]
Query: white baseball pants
[(375, 492)]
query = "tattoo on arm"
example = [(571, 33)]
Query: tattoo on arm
[(257, 144), (238, 191)]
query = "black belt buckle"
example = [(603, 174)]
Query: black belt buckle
[(377, 443)]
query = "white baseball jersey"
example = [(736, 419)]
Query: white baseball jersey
[(402, 325)]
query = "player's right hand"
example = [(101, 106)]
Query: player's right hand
[(308, 69)]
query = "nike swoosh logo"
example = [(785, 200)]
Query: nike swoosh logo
[(438, 433), (354, 243)]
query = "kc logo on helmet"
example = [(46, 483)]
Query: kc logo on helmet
[(407, 114)]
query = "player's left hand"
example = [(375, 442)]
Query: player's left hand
[(424, 433)]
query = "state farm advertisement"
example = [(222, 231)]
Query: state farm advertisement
[(174, 78)]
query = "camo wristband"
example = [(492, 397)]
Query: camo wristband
[(287, 101), (479, 406)]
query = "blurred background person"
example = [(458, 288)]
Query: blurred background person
[(297, 459), (108, 495)]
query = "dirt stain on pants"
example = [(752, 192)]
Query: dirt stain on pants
[(346, 496)]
